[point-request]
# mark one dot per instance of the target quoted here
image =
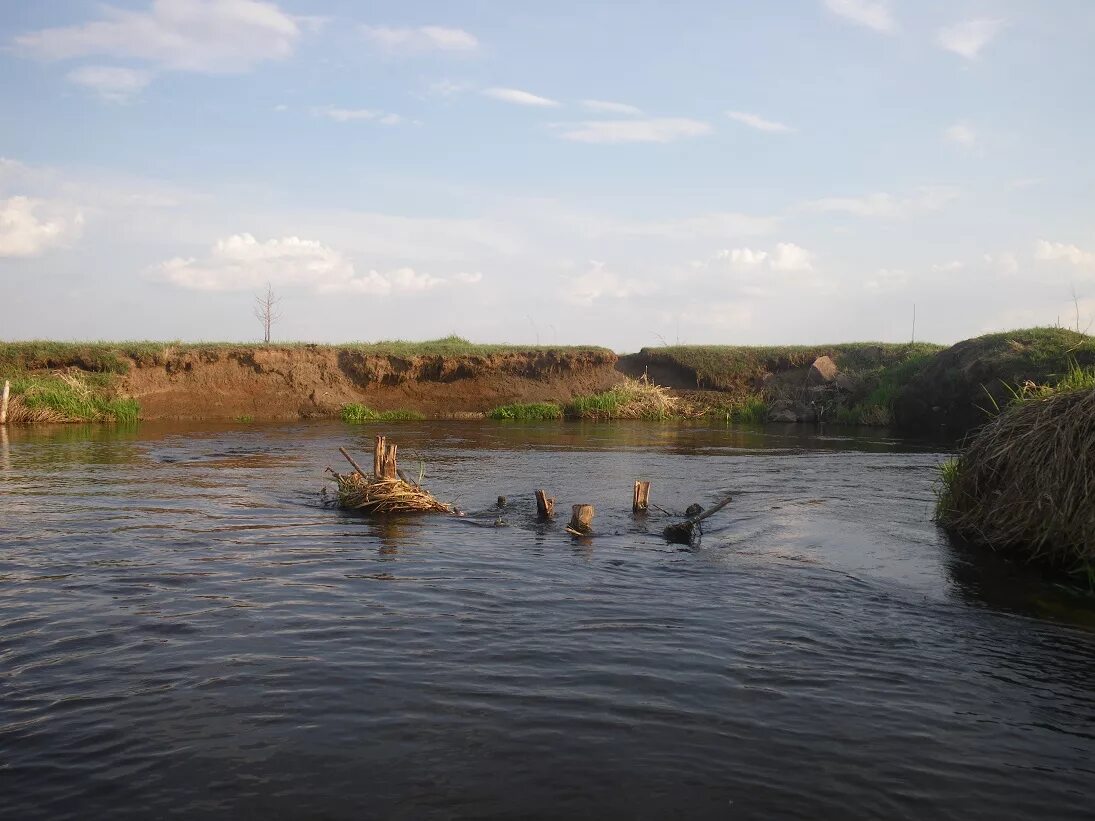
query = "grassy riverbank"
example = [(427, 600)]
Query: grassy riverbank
[(1022, 485), (120, 357)]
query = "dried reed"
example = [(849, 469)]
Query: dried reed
[(385, 490), (1026, 482)]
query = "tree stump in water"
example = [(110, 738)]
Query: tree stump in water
[(640, 497), (545, 505), (581, 519)]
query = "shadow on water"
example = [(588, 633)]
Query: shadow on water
[(985, 578)]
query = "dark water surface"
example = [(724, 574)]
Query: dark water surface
[(184, 631)]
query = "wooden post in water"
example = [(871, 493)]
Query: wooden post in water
[(545, 505), (4, 403), (390, 469), (378, 457), (581, 519), (640, 498)]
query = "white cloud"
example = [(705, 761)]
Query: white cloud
[(969, 37), (791, 257), (886, 280), (346, 115), (1005, 263), (408, 41), (28, 227), (208, 36), (466, 278), (874, 14), (519, 97), (756, 273), (660, 130), (786, 257), (961, 134), (882, 205), (948, 267), (1060, 252), (242, 263), (112, 83), (607, 107), (758, 122), (742, 258), (598, 281)]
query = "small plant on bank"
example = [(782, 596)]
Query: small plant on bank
[(530, 412), (358, 414)]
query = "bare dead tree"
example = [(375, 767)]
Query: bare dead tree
[(266, 311)]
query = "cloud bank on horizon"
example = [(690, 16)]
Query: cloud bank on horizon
[(704, 172)]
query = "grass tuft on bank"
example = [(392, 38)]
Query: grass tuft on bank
[(527, 412), (68, 396), (631, 399), (358, 414), (1022, 485)]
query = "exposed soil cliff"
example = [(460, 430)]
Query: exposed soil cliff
[(309, 381)]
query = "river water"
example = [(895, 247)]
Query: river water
[(185, 630)]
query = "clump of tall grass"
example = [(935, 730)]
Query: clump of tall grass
[(359, 414), (68, 396), (528, 412), (631, 399), (1024, 483), (751, 409)]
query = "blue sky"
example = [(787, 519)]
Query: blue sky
[(612, 173)]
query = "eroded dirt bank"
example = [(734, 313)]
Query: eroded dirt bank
[(305, 381)]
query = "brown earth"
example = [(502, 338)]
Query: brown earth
[(302, 382)]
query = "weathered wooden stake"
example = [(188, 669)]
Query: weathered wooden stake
[(545, 505), (378, 457), (501, 501), (640, 498), (390, 469), (4, 403), (581, 519)]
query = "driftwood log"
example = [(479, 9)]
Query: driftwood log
[(688, 531)]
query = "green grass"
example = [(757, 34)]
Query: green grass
[(530, 412), (116, 357), (752, 410), (603, 405), (74, 398), (359, 414), (739, 367), (749, 409), (245, 419)]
